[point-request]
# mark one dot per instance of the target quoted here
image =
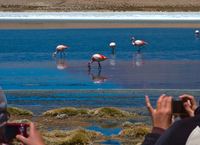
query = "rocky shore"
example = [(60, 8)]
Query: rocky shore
[(96, 5)]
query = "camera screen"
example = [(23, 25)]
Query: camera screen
[(11, 131)]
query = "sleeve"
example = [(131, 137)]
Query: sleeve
[(151, 138)]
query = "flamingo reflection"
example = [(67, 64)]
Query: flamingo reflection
[(112, 60), (61, 63), (97, 79), (137, 60)]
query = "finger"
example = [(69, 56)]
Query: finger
[(189, 111), (22, 139), (148, 104), (32, 127), (160, 102), (173, 119), (169, 103), (188, 97)]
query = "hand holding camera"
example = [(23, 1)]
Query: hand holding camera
[(19, 131), (190, 104), (34, 136), (166, 107)]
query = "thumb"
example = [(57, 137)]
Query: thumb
[(21, 138), (188, 109)]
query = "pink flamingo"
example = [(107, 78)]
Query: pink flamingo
[(98, 58), (138, 43), (60, 48)]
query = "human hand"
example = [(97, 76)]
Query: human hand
[(162, 115), (34, 138), (190, 105)]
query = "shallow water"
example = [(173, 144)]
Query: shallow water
[(170, 60)]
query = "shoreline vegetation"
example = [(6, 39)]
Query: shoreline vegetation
[(68, 125)]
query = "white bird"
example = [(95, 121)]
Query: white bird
[(60, 48), (112, 45), (138, 43), (196, 33), (98, 58)]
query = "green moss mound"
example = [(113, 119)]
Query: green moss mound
[(16, 111), (104, 112), (79, 139), (79, 136), (111, 112), (136, 131), (70, 111), (19, 121)]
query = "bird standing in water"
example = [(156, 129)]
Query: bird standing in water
[(196, 33), (138, 43), (60, 48), (97, 58), (112, 45)]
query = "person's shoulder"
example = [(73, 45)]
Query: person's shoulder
[(197, 111)]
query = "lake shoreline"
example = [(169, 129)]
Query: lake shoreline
[(90, 24)]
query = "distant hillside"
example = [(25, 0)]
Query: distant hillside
[(99, 5)]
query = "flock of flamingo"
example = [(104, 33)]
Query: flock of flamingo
[(98, 57)]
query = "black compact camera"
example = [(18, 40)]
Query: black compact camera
[(178, 108), (13, 129)]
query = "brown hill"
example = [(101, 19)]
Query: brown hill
[(99, 5)]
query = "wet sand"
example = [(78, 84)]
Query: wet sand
[(69, 24)]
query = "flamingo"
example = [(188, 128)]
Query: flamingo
[(98, 58), (112, 45), (60, 48), (196, 33), (138, 43)]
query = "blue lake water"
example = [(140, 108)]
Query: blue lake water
[(170, 60)]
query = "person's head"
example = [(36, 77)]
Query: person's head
[(4, 115)]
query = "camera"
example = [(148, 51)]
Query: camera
[(13, 129), (178, 108)]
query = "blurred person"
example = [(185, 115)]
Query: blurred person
[(34, 137), (4, 116)]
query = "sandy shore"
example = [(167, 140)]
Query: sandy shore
[(17, 24), (95, 5)]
